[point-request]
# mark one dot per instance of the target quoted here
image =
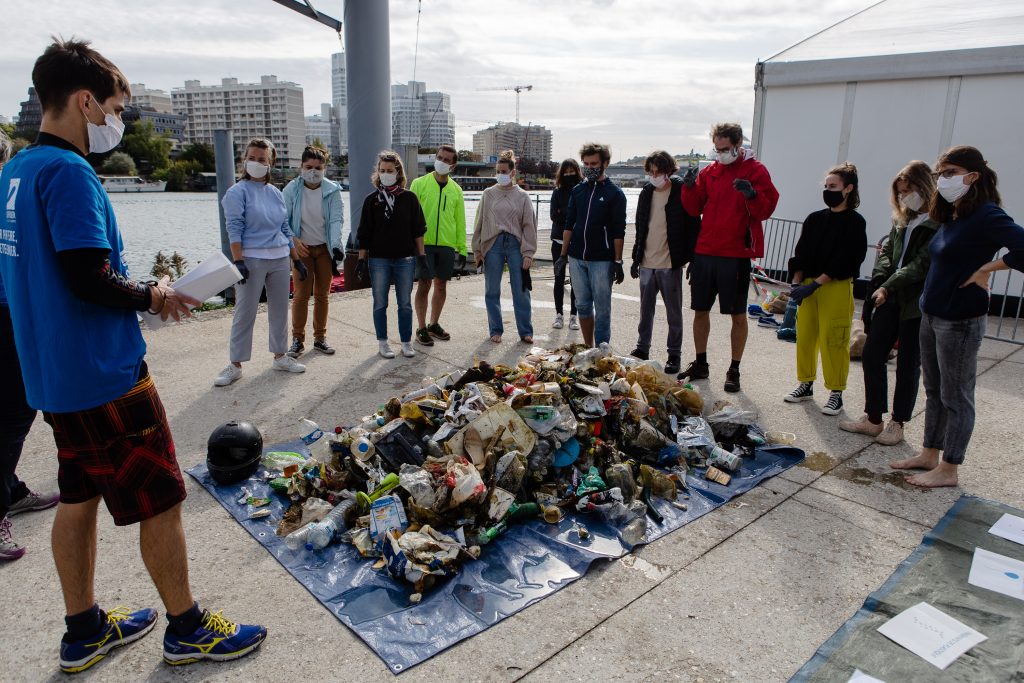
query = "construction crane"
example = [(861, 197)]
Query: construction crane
[(518, 89)]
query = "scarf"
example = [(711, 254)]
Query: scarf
[(386, 196)]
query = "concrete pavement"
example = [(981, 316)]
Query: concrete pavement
[(747, 592)]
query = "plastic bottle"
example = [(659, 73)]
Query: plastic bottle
[(315, 439), (362, 449), (321, 534), (372, 422)]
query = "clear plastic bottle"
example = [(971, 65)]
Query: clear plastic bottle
[(316, 440), (319, 535)]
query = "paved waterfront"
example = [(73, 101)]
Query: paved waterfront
[(746, 593)]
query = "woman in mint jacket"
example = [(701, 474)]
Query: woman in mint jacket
[(315, 216)]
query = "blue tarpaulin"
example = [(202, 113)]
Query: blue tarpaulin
[(525, 564)]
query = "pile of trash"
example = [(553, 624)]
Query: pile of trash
[(424, 484)]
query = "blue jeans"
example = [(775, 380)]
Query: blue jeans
[(949, 363), (506, 250), (592, 282), (385, 272)]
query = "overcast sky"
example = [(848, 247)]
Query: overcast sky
[(637, 74)]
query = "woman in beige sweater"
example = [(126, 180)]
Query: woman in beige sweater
[(506, 233)]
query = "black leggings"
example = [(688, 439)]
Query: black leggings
[(556, 251), (886, 330)]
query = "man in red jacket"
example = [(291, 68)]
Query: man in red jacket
[(733, 195)]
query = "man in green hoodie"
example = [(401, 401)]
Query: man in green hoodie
[(444, 210)]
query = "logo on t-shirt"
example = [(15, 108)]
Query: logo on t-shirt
[(12, 195)]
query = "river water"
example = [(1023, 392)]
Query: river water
[(187, 222)]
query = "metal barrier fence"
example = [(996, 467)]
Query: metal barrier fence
[(1010, 301)]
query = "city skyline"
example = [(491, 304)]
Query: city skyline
[(636, 75)]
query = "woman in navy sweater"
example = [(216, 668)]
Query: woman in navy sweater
[(955, 304)]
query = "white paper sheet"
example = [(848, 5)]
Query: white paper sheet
[(211, 276), (1009, 527), (861, 677), (997, 573), (930, 634)]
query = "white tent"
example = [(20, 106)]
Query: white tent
[(901, 80)]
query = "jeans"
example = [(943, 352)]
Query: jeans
[(506, 250), (16, 416), (886, 330), (275, 274), (318, 283), (949, 363), (592, 281), (669, 283), (556, 251), (385, 272)]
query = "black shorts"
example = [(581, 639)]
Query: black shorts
[(724, 277), (121, 450), (440, 264)]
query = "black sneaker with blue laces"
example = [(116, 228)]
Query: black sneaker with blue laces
[(121, 627), (216, 639)]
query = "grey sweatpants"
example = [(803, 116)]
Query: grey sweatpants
[(669, 283), (276, 275)]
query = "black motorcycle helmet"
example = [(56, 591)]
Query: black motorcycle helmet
[(233, 452)]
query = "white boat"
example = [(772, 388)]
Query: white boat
[(124, 183)]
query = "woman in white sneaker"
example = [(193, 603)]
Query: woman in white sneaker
[(390, 237), (896, 285), (827, 258), (263, 250)]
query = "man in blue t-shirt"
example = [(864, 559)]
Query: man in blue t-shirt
[(73, 308)]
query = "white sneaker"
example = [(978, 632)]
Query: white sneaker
[(288, 364), (558, 322), (228, 375), (574, 323), (407, 350), (385, 350)]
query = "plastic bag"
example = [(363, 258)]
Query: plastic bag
[(695, 432), (468, 484), (315, 509), (541, 419), (419, 484), (278, 460)]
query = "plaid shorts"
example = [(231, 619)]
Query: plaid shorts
[(121, 450)]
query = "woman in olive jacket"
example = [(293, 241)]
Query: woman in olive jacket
[(897, 282)]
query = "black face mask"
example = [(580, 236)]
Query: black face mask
[(832, 198), (570, 180)]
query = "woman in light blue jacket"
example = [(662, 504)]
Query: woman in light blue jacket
[(315, 217), (261, 244)]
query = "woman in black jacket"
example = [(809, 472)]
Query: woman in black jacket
[(567, 178), (827, 258)]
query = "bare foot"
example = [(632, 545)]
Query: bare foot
[(526, 340), (943, 475), (927, 459), (496, 338)]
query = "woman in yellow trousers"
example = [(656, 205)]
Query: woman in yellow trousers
[(828, 256)]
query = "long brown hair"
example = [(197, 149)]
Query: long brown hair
[(918, 175), (567, 165), (982, 190)]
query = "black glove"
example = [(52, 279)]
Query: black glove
[(561, 262), (745, 188), (423, 266), (690, 177), (803, 291), (337, 256), (460, 263), (617, 275), (527, 280), (300, 268), (688, 266), (334, 268), (634, 270), (243, 269), (362, 270)]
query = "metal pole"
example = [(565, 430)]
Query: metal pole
[(368, 71), (224, 155)]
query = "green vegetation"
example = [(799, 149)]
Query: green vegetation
[(177, 174), (118, 163), (146, 147), (200, 153)]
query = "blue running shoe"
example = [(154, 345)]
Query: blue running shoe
[(216, 639), (122, 627)]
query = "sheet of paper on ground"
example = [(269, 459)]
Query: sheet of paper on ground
[(930, 634)]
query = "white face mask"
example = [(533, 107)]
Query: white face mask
[(313, 176), (953, 188), (657, 180), (441, 167), (727, 157), (255, 169), (503, 179), (912, 201), (104, 138), (388, 179)]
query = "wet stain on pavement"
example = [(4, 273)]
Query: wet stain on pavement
[(819, 462), (866, 477)]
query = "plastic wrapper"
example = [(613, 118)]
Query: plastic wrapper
[(315, 509), (467, 486), (510, 470), (419, 484), (278, 460), (541, 419), (695, 432), (418, 556)]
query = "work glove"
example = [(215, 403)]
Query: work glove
[(362, 270), (300, 268), (690, 177), (561, 262), (527, 280), (634, 270), (243, 269), (337, 256), (745, 188), (803, 291), (334, 268), (460, 262), (423, 266), (618, 275)]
